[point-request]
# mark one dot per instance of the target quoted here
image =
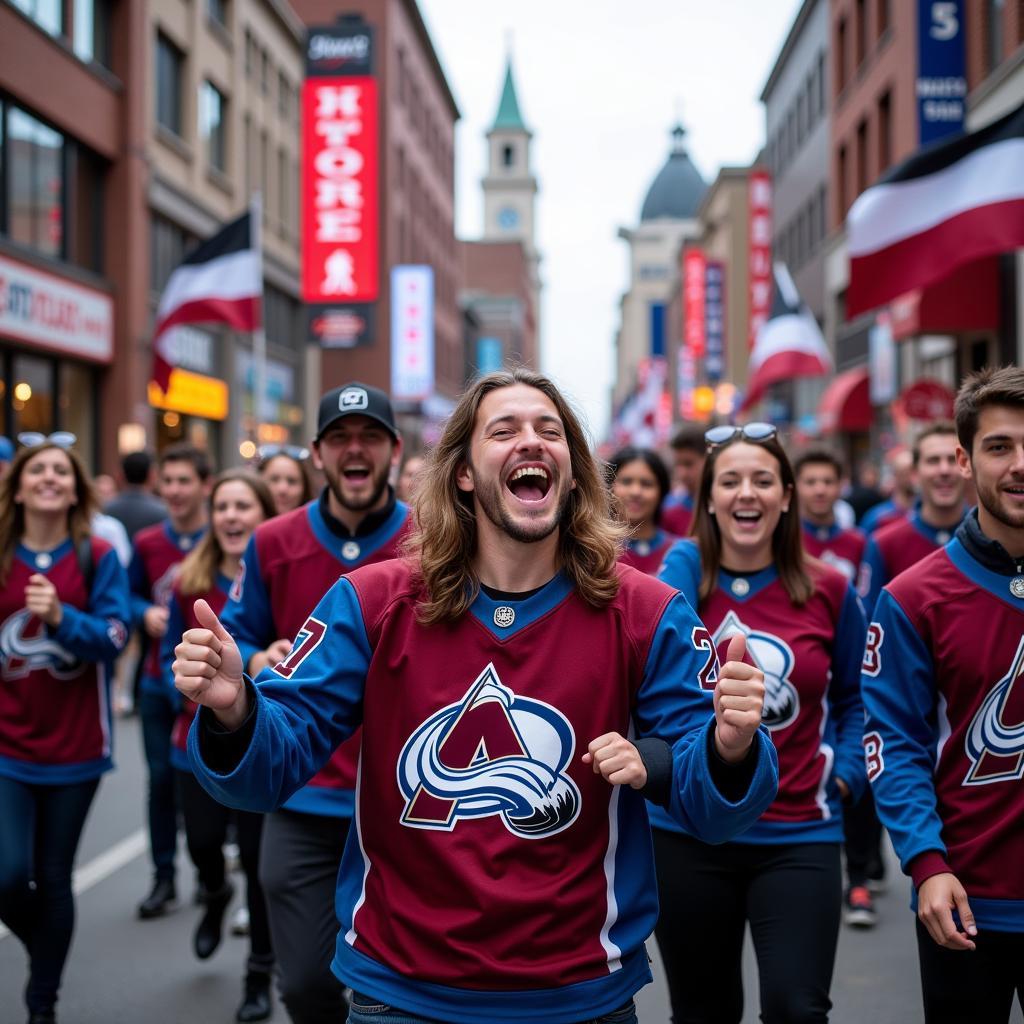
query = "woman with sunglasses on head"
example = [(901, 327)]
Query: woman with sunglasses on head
[(64, 603), (239, 502), (285, 471), (639, 482), (745, 572)]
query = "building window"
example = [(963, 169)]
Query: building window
[(884, 132), (283, 203), (821, 85), (841, 189), (265, 72), (283, 95), (34, 199), (881, 18), (264, 172), (91, 40), (86, 174), (280, 314), (169, 72), (840, 56), (168, 244), (218, 11), (213, 125), (994, 19), (860, 32), (247, 153), (47, 14), (508, 156), (250, 59), (862, 157)]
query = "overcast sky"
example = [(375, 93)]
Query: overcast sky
[(600, 83)]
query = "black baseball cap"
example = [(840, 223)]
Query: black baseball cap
[(355, 399)]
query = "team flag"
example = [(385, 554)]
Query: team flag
[(950, 203), (221, 281), (789, 344)]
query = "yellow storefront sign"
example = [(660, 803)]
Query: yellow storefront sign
[(192, 394)]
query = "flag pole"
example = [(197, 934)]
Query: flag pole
[(259, 334)]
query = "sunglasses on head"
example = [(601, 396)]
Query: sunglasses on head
[(33, 439), (755, 432), (268, 451)]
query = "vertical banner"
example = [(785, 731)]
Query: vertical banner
[(339, 185), (759, 255), (714, 320), (412, 333), (941, 84), (694, 325)]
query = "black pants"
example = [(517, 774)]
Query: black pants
[(40, 827), (299, 865), (206, 829), (863, 833), (790, 894), (959, 986)]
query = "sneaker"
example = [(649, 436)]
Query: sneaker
[(162, 898), (240, 922), (860, 908)]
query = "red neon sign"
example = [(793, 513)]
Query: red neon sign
[(760, 251)]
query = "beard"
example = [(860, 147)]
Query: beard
[(336, 482), (493, 504), (989, 498)]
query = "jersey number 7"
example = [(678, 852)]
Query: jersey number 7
[(307, 641)]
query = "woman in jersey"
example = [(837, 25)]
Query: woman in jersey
[(64, 602), (639, 482), (239, 502), (745, 572), (285, 471)]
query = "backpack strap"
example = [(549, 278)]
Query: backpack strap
[(83, 552)]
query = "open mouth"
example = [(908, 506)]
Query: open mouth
[(747, 517), (530, 483), (233, 535), (356, 474)]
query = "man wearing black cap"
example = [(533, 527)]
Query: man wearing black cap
[(291, 562)]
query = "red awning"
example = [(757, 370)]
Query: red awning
[(846, 403)]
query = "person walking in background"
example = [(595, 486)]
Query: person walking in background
[(496, 670), (239, 502), (184, 476), (409, 478), (64, 605), (6, 455), (639, 483), (289, 564), (902, 493), (136, 506), (863, 493), (943, 678), (746, 574), (285, 470), (688, 452)]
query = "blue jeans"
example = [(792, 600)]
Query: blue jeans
[(367, 1010), (39, 831), (158, 712)]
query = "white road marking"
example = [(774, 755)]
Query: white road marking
[(105, 864)]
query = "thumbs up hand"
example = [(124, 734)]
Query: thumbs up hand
[(208, 668), (739, 699)]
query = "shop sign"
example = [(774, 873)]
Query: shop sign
[(192, 394), (941, 84), (714, 320), (694, 284), (759, 255), (52, 312), (927, 399)]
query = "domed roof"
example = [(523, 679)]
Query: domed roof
[(678, 189)]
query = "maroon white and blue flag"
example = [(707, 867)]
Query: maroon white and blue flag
[(950, 203), (220, 281)]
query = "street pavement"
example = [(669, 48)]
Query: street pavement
[(123, 970)]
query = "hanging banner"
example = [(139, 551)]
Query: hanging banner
[(694, 270), (714, 320), (941, 84), (412, 333), (340, 160), (759, 255)]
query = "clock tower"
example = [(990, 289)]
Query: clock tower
[(510, 187)]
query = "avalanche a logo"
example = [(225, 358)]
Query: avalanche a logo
[(774, 657), (995, 739), (25, 646), (491, 753)]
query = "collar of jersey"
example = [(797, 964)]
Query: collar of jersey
[(175, 537), (28, 556), (995, 583), (366, 544), (652, 542), (757, 580), (527, 612), (814, 530), (931, 532)]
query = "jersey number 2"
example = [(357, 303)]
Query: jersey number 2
[(312, 632), (708, 675)]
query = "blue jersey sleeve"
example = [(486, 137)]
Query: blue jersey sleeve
[(681, 569), (305, 708), (673, 706), (100, 632), (171, 639), (140, 590), (872, 577), (900, 735), (845, 707), (247, 616)]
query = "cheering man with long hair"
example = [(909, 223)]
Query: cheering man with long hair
[(499, 865)]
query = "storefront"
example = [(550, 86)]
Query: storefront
[(56, 335)]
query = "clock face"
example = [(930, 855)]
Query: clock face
[(508, 217)]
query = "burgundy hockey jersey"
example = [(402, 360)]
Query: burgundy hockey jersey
[(647, 555), (842, 549)]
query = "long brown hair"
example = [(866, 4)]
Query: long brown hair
[(199, 569), (12, 513), (787, 544), (444, 539)]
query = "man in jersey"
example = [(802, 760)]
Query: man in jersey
[(184, 473), (943, 686), (290, 563), (931, 521), (818, 481), (493, 873), (688, 451), (900, 464)]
